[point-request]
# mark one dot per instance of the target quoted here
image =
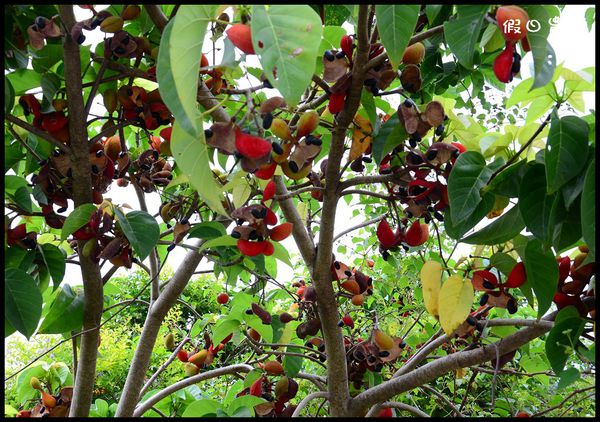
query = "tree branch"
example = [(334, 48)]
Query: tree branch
[(82, 194), (227, 370), (397, 405), (463, 359), (306, 400), (365, 224), (164, 366), (39, 133), (301, 236), (157, 16)]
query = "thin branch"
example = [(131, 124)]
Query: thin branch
[(88, 104), (566, 399), (416, 38), (525, 145), (306, 400), (293, 193), (397, 405), (443, 398), (156, 14), (227, 370), (163, 366), (359, 226), (365, 192), (24, 143), (38, 132)]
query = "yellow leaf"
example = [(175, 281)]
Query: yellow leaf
[(431, 278), (456, 298), (460, 373), (361, 137)]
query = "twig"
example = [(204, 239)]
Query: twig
[(307, 399), (163, 366), (39, 133), (402, 406), (543, 412), (361, 225), (443, 398)]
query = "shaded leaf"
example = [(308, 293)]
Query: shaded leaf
[(22, 301), (542, 274), (396, 24)]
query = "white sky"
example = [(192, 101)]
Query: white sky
[(572, 42)]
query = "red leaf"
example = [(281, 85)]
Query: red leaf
[(271, 218), (240, 35), (266, 172), (269, 248), (417, 234), (484, 280), (386, 236), (336, 102)]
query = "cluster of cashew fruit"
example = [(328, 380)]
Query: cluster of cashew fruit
[(421, 179), (495, 293), (574, 277), (198, 358), (277, 394), (56, 123), (252, 232), (49, 405), (512, 21)]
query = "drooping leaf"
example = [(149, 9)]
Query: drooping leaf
[(396, 24), (431, 279), (9, 96), (265, 331), (141, 229), (223, 328), (224, 240), (500, 230), (77, 219), (178, 64), (287, 37), (207, 230), (534, 204), (292, 364), (503, 261), (282, 254), (391, 134), (468, 176), (568, 377), (202, 407), (54, 259), (65, 314), (191, 155), (544, 58), (456, 231), (588, 208), (566, 150), (542, 274), (455, 300), (561, 340), (22, 301), (462, 33)]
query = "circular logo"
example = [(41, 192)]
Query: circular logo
[(554, 21), (533, 25)]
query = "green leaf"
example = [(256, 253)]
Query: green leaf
[(66, 312), (568, 377), (565, 226), (22, 80), (281, 254), (391, 134), (141, 229), (207, 230), (287, 37), (468, 176), (265, 331), (191, 155), (223, 328), (22, 301), (22, 198), (201, 408), (77, 219), (542, 274), (500, 230), (178, 64), (590, 17), (456, 231), (225, 240), (544, 58), (588, 208), (508, 181), (534, 204), (54, 258), (503, 261), (562, 339), (25, 392), (566, 150), (9, 96), (462, 33), (396, 24), (292, 364), (246, 401)]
